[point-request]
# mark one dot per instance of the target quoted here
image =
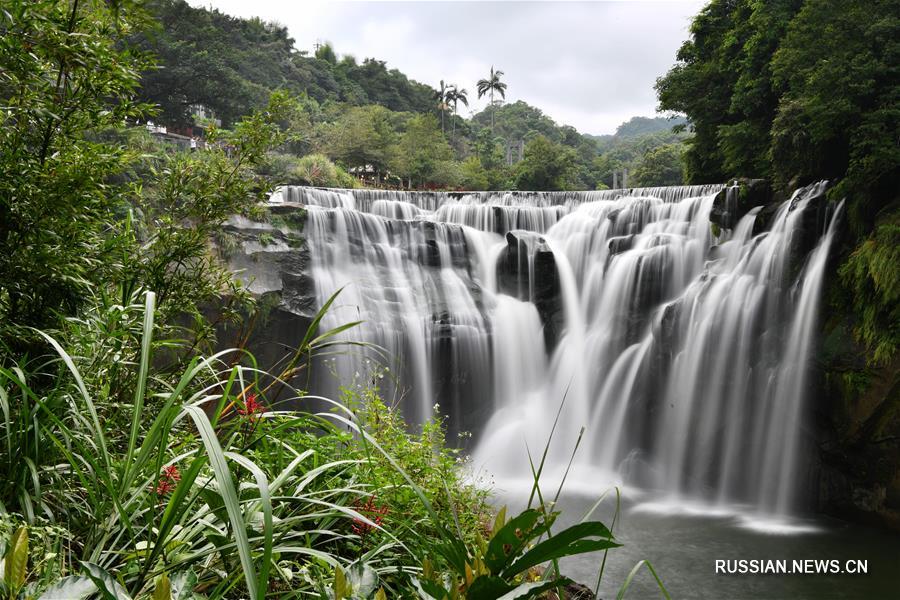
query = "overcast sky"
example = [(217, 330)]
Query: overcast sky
[(587, 64)]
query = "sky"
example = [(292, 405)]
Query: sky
[(591, 65)]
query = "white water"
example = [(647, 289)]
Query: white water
[(684, 356)]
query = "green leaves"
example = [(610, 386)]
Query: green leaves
[(363, 579), (512, 538), (569, 542), (359, 582), (229, 497), (62, 78), (109, 588), (141, 387), (634, 571), (501, 569), (163, 589), (73, 587), (15, 562)]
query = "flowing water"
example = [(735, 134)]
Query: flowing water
[(675, 351)]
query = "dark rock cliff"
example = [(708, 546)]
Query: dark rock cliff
[(272, 260)]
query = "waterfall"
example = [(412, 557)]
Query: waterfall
[(683, 349)]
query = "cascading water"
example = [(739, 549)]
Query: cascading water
[(681, 347)]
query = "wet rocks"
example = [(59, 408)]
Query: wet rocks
[(618, 245), (271, 257), (527, 270), (272, 260), (734, 201)]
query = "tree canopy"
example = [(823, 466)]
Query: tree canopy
[(801, 90), (231, 65)]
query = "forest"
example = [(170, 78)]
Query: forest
[(795, 92)]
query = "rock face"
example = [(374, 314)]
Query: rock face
[(736, 200), (527, 270), (272, 259), (858, 418), (856, 430)]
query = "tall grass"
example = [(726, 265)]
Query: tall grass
[(183, 490), (168, 486)]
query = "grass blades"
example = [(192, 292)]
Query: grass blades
[(180, 478), (634, 571), (230, 498)]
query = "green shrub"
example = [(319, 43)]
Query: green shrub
[(872, 273), (318, 170)]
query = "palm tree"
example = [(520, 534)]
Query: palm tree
[(454, 96), (443, 99), (489, 86)]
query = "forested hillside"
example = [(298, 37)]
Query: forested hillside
[(364, 116), (799, 91), (231, 66)]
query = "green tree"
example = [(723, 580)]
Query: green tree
[(231, 65), (63, 74), (421, 151), (800, 91), (659, 166), (209, 59), (90, 210), (473, 175), (326, 52), (441, 95), (489, 86), (488, 149), (181, 202), (363, 136), (456, 95), (545, 166), (840, 113)]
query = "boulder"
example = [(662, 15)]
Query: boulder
[(514, 278), (736, 200)]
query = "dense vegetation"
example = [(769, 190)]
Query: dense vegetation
[(137, 462), (796, 91), (231, 65)]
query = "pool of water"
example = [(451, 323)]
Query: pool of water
[(683, 542)]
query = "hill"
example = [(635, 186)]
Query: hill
[(231, 65), (211, 63)]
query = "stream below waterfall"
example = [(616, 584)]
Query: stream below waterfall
[(683, 541)]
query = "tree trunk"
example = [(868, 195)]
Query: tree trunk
[(493, 110)]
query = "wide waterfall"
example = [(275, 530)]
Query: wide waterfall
[(681, 346)]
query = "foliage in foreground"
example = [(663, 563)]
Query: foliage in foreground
[(89, 207), (197, 487)]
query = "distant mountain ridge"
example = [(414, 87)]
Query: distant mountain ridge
[(638, 126)]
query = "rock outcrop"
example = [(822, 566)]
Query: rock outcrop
[(527, 270), (272, 260)]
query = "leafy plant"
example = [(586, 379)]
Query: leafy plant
[(504, 566)]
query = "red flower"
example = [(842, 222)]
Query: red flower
[(168, 478), (252, 407), (374, 513), (164, 487), (171, 473)]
